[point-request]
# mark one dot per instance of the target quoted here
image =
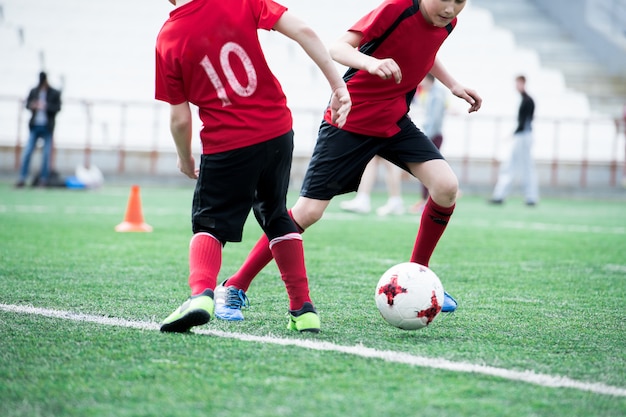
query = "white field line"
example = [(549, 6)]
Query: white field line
[(359, 350)]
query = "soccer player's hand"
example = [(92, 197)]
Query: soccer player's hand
[(340, 105), (188, 167), (385, 68), (468, 95)]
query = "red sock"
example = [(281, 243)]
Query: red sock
[(432, 225), (289, 255), (205, 260), (257, 259)]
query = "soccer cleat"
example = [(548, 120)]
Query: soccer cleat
[(305, 319), (449, 303), (229, 301), (197, 310)]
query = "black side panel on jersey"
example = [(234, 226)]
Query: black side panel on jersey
[(370, 47)]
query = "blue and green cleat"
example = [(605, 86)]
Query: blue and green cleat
[(449, 303), (229, 301)]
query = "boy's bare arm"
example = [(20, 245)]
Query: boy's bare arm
[(467, 94), (346, 53), (180, 127), (296, 29)]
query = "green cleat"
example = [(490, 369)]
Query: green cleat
[(197, 310), (304, 320)]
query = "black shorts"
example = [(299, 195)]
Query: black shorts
[(231, 183), (340, 157)]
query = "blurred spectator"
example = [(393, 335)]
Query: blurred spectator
[(520, 158), (624, 131), (434, 111), (361, 203), (44, 102)]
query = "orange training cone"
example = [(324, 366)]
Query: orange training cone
[(133, 221)]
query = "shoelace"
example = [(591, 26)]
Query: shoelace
[(236, 298)]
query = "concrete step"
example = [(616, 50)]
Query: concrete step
[(534, 30)]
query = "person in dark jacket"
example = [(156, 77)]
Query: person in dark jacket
[(44, 102)]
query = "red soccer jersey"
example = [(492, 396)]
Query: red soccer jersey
[(377, 104), (208, 53)]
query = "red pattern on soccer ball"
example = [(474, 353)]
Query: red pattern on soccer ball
[(392, 289), (431, 312)]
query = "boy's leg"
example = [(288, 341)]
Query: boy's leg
[(221, 203), (339, 158), (437, 141), (443, 186), (205, 259), (257, 259), (260, 255), (289, 255), (433, 223), (305, 213)]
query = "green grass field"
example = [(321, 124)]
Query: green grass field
[(542, 293)]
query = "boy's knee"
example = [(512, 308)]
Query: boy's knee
[(305, 215), (445, 192)]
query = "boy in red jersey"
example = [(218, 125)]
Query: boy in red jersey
[(208, 54), (389, 51)]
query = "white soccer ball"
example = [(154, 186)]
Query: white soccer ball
[(409, 296)]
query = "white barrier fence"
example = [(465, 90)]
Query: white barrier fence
[(127, 132)]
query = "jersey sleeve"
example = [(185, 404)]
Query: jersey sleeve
[(169, 85), (267, 13), (376, 22)]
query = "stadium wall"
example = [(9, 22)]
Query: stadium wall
[(475, 174), (131, 139)]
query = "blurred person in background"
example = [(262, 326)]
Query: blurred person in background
[(520, 159), (434, 112), (44, 102), (362, 204)]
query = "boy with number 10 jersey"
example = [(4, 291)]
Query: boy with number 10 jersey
[(208, 54)]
